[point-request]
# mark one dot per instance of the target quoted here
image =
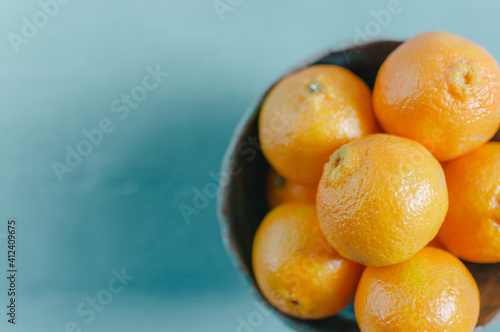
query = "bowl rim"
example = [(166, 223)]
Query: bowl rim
[(222, 193)]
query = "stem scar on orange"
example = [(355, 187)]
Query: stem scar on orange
[(440, 90), (280, 190), (308, 115), (381, 199)]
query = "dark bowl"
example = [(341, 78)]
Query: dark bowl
[(242, 203)]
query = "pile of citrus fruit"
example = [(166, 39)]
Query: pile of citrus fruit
[(378, 196)]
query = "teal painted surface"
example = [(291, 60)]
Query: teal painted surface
[(119, 202)]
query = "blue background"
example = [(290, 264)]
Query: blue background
[(119, 208)]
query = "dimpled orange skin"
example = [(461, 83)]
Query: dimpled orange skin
[(440, 90), (471, 229), (310, 114), (280, 190), (432, 291), (295, 268), (381, 199)]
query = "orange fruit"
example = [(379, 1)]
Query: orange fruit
[(435, 243), (432, 291), (471, 229), (310, 114), (440, 90), (381, 199), (295, 268), (280, 190)]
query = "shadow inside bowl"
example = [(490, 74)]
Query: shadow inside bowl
[(242, 202)]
